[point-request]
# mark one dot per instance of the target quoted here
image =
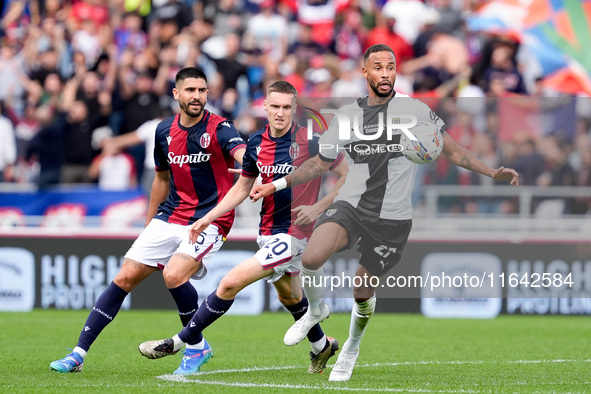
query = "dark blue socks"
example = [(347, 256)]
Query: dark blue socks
[(187, 301), (212, 308), (103, 312)]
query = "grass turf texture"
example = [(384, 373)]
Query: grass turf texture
[(399, 353)]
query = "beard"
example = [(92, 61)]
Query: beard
[(185, 107), (381, 94)]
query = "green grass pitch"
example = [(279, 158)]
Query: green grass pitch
[(400, 353)]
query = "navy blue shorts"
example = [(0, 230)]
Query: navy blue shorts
[(380, 241)]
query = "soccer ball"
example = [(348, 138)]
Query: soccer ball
[(428, 145)]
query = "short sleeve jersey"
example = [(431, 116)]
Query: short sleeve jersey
[(198, 159), (380, 179), (273, 158)]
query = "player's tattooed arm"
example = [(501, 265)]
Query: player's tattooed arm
[(466, 161), (311, 169)]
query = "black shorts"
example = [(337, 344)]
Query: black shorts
[(380, 241)]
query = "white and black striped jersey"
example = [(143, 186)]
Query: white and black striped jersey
[(380, 178)]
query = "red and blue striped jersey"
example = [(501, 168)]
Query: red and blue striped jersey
[(273, 158), (198, 158)]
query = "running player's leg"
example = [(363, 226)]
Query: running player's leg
[(176, 276), (363, 310), (327, 238), (270, 261), (109, 302), (381, 249), (198, 351), (103, 312), (150, 243), (289, 293), (189, 262)]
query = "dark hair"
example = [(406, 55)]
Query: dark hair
[(189, 72), (282, 87), (377, 48)]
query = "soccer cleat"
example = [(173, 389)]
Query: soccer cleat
[(343, 368), (318, 361), (157, 349), (71, 363), (296, 333), (193, 359)]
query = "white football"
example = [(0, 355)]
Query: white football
[(428, 145)]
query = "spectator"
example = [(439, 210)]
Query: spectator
[(268, 31), (93, 11), (87, 41), (77, 128), (385, 33), (502, 68), (168, 20), (348, 84), (304, 49), (450, 18), (557, 173), (114, 171), (321, 16), (25, 129), (12, 78), (529, 163), (144, 135), (7, 149), (234, 75), (228, 16), (47, 149), (130, 34), (141, 104), (429, 28), (581, 205), (48, 64), (406, 13), (350, 36)]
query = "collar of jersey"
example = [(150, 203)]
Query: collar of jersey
[(365, 106), (203, 119), (284, 136)]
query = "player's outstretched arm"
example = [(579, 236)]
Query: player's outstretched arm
[(311, 169), (462, 157), (233, 198), (309, 213)]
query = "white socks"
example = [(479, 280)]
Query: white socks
[(360, 316), (80, 351), (318, 346), (178, 344), (312, 282)]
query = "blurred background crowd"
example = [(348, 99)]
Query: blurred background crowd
[(83, 83)]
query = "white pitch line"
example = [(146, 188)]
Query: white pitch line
[(184, 379)]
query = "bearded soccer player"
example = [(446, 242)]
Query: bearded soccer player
[(272, 152), (193, 153), (373, 208)]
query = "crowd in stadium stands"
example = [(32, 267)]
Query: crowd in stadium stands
[(76, 73)]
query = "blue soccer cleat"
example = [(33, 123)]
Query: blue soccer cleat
[(193, 360), (71, 363)]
